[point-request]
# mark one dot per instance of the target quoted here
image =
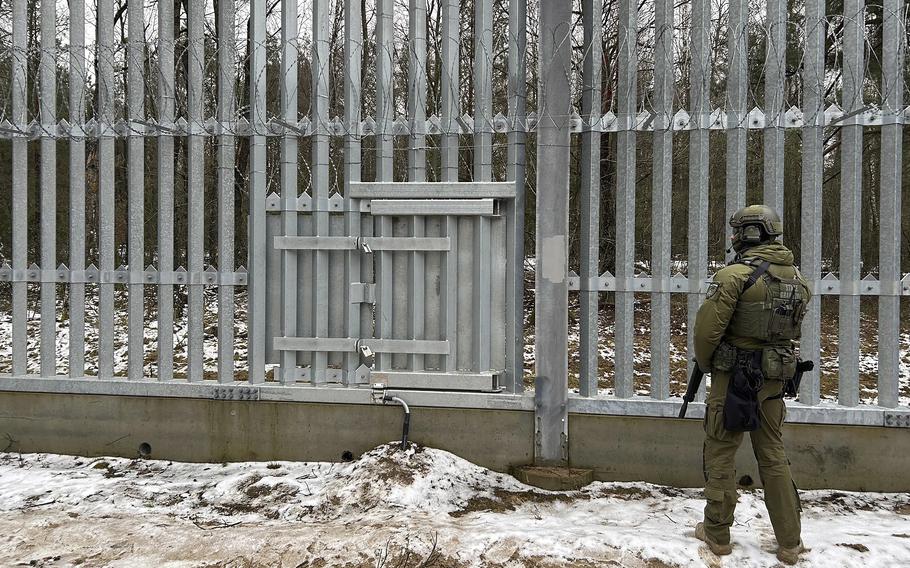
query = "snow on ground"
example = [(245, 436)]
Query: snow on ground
[(419, 507)]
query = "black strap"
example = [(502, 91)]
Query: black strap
[(756, 274)]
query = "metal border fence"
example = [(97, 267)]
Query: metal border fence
[(631, 123)]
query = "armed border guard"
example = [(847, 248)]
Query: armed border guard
[(745, 334)]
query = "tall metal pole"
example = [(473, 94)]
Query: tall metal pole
[(813, 79), (552, 289), (851, 204), (627, 104), (589, 204), (889, 302), (516, 171), (699, 160)]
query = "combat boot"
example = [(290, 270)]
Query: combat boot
[(718, 549), (790, 555)]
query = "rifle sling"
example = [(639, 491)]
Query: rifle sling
[(756, 274)]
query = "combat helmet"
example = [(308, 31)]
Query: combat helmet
[(753, 225)]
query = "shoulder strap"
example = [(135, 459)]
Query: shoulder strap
[(756, 274)]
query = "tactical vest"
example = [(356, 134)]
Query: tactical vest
[(776, 319)]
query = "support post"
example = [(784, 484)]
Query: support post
[(552, 289)]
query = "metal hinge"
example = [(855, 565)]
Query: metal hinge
[(363, 293)]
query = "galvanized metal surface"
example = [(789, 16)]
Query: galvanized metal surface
[(516, 157), (661, 199), (889, 252), (105, 116), (589, 204), (627, 100), (448, 256), (136, 181), (551, 286), (48, 114), (77, 96), (775, 58), (195, 188), (699, 160), (227, 147), (19, 189), (812, 175), (736, 111), (257, 224), (851, 192)]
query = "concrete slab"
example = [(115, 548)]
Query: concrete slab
[(554, 478)]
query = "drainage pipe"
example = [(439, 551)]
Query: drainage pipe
[(407, 419)]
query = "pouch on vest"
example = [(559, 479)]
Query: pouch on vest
[(741, 405), (778, 363), (724, 358)]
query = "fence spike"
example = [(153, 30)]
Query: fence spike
[(501, 123), (755, 118), (682, 121), (368, 126), (434, 125)]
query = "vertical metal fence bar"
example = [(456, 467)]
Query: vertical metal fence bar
[(851, 205), (166, 104), (483, 171), (353, 54), (257, 186), (449, 169), (482, 296), (195, 188), (515, 219), (551, 283), (662, 195), (289, 283), (812, 173), (893, 44), (589, 202), (699, 163), (625, 198), (77, 186), (483, 90), (227, 77), (775, 58), (417, 86), (450, 293), (737, 91), (385, 113), (320, 172), (417, 156), (20, 188), (450, 89), (105, 112), (136, 181), (47, 71)]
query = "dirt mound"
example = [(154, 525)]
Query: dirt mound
[(416, 477)]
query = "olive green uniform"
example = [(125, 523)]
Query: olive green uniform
[(728, 317)]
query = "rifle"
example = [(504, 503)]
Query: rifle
[(791, 387), (691, 389)]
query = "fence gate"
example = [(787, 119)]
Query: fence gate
[(399, 283)]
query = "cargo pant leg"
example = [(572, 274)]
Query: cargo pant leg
[(719, 458), (781, 497)]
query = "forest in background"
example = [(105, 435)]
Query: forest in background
[(757, 53)]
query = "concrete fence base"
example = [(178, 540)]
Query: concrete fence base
[(617, 448)]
